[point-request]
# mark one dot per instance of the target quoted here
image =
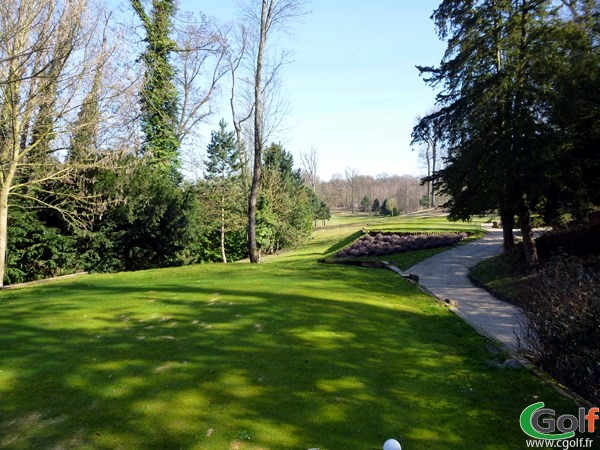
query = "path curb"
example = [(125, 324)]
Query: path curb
[(38, 282)]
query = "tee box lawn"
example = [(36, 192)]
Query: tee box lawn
[(288, 354)]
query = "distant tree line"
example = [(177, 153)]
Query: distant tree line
[(94, 130), (366, 194)]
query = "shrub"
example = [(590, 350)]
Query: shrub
[(386, 244), (563, 324), (579, 242)]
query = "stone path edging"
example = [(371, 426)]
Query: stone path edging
[(445, 275)]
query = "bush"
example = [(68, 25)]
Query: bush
[(563, 324), (387, 244), (36, 250), (579, 242)]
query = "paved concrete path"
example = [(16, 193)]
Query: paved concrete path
[(445, 275)]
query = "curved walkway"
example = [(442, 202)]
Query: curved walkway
[(445, 276)]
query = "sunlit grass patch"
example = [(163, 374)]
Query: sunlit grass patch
[(291, 354)]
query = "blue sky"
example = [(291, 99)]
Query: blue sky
[(353, 88)]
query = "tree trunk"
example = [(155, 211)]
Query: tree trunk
[(6, 180), (429, 190), (3, 230), (531, 256), (258, 133), (508, 223), (252, 199), (223, 255), (433, 157)]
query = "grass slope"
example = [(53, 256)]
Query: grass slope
[(505, 276), (289, 354)]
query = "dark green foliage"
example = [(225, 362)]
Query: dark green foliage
[(158, 225), (159, 96), (386, 208), (223, 159), (518, 110), (376, 207), (148, 220), (222, 192), (323, 212), (582, 242), (365, 204), (36, 250), (286, 207), (576, 115), (267, 226), (235, 245)]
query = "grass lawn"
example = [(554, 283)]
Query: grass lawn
[(505, 276), (414, 223), (289, 354)]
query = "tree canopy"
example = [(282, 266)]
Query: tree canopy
[(501, 109)]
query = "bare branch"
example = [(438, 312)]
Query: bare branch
[(51, 53), (201, 60), (310, 162)]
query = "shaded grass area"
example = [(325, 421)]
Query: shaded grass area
[(285, 355), (505, 276), (406, 260), (344, 242), (402, 261)]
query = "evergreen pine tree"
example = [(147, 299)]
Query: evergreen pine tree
[(496, 80), (376, 207), (385, 209), (85, 130), (366, 203), (223, 175)]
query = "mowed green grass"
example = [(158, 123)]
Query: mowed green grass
[(420, 222), (289, 354)]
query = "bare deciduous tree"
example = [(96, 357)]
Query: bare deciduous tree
[(405, 191), (352, 178), (49, 52), (237, 51), (201, 63), (430, 135), (264, 16), (310, 162)]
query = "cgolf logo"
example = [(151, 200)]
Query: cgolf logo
[(540, 423)]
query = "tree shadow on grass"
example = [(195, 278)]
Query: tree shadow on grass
[(344, 242), (212, 364)]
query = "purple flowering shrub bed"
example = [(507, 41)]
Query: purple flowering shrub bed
[(381, 244)]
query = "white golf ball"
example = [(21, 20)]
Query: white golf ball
[(392, 444)]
